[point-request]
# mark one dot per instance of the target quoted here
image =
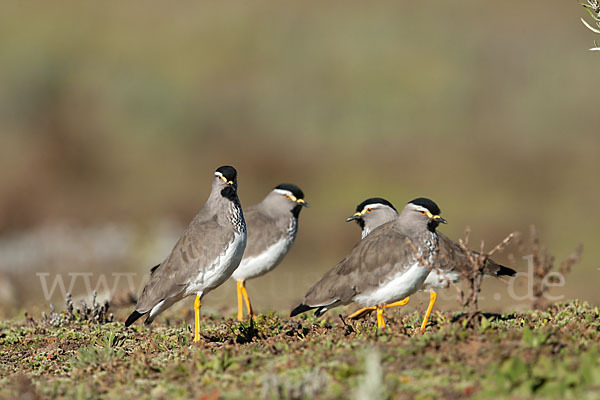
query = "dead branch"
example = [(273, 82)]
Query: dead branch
[(473, 275)]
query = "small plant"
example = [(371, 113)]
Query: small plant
[(593, 8), (245, 333), (104, 354), (97, 313)]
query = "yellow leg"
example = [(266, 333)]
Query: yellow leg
[(197, 306), (380, 320), (432, 297), (240, 315), (368, 310), (398, 303), (247, 300), (362, 312)]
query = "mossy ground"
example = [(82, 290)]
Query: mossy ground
[(546, 354)]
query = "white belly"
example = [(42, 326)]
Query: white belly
[(221, 269), (436, 280), (252, 267), (397, 288)]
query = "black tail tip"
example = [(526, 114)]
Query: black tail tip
[(505, 271), (300, 309), (135, 315)]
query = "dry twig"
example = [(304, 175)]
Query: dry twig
[(473, 275)]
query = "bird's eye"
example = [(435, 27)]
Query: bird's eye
[(286, 196), (369, 210), (422, 212)]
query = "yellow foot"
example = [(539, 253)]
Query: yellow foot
[(197, 306), (363, 312)]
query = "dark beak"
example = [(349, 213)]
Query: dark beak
[(303, 203), (441, 220), (352, 218)]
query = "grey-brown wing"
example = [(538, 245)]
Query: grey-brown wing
[(451, 256), (201, 243), (263, 231), (372, 260), (454, 258)]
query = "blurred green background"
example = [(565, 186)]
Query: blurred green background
[(114, 116)]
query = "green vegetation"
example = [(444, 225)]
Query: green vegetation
[(546, 354)]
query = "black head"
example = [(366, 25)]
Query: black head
[(228, 172), (428, 204), (374, 200), (428, 210), (226, 179), (295, 190), (294, 195), (373, 212)]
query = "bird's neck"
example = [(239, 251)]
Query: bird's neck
[(432, 225), (432, 244), (292, 228), (296, 211), (233, 209), (365, 231), (236, 217), (419, 233), (285, 219)]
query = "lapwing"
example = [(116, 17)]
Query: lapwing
[(382, 269), (453, 260), (204, 257), (372, 213), (272, 227)]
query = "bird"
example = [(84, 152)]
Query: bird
[(372, 213), (272, 228), (383, 268), (453, 259), (203, 258)]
